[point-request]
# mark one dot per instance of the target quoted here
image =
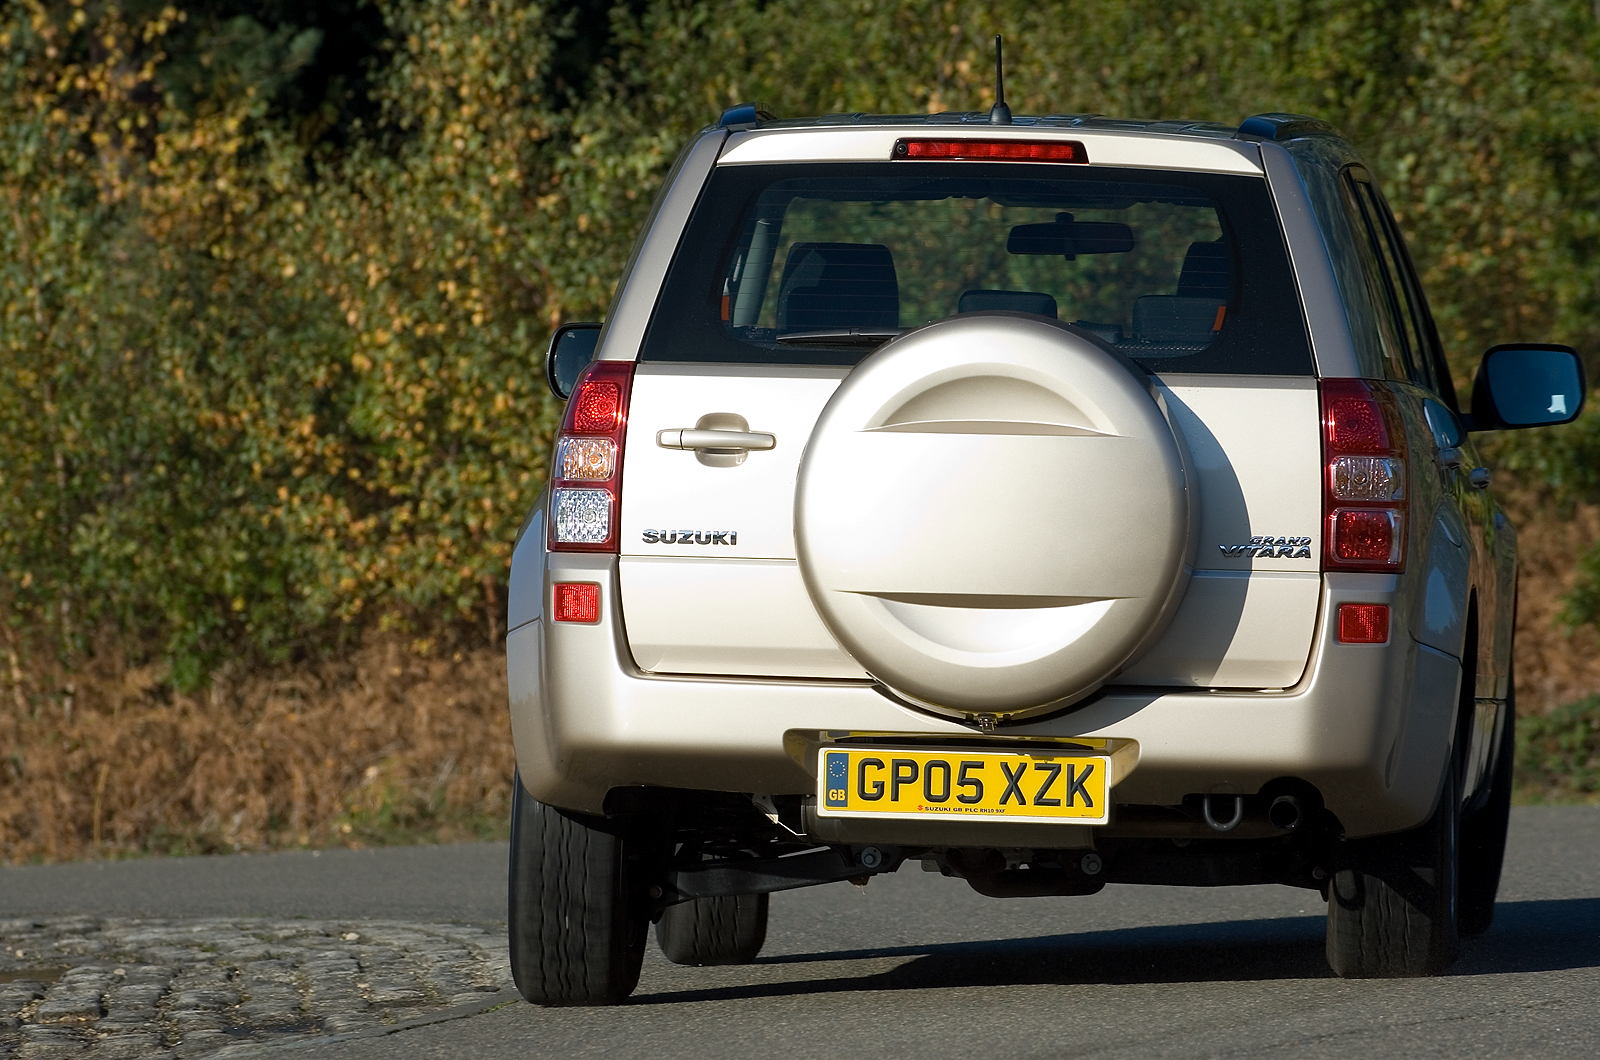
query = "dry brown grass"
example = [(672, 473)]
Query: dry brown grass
[(1555, 665), (386, 745), (382, 746)]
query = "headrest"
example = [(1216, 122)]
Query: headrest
[(1184, 321), (1207, 272), (838, 285), (1013, 301)]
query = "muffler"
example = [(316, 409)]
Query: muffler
[(1285, 813), (987, 872)]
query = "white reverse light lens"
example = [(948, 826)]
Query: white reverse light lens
[(587, 459), (583, 516), (1368, 478)]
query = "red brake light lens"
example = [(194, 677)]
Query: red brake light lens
[(576, 602), (994, 150), (1363, 623), (1356, 426), (1366, 536), (595, 407), (1364, 495)]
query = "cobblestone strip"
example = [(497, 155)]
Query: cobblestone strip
[(123, 988)]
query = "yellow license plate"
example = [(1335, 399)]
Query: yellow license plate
[(1003, 785)]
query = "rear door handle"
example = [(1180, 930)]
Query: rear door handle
[(699, 438), (1478, 478)]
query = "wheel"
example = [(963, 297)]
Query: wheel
[(1483, 834), (577, 917), (1392, 903), (714, 930)]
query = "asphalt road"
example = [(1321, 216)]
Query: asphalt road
[(917, 965)]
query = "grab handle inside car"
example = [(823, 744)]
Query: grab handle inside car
[(693, 438)]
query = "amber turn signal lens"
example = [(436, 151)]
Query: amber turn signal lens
[(1363, 623), (586, 459)]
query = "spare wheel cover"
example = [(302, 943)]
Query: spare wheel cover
[(992, 515)]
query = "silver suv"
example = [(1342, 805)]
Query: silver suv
[(1053, 502)]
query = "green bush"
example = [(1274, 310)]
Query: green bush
[(277, 277), (1558, 755), (266, 390)]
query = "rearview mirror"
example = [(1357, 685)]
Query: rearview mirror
[(1527, 385), (1069, 238), (572, 347)]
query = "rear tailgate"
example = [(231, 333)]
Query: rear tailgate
[(710, 584), (1249, 615), (708, 573)]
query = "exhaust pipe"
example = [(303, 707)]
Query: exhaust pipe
[(1285, 813)]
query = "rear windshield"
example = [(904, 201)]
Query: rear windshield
[(822, 263)]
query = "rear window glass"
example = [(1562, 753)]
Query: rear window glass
[(821, 263)]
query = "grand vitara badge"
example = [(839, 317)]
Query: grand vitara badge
[(691, 537), (1269, 547)]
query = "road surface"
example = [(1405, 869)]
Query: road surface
[(913, 965)]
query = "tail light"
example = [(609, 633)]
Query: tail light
[(1364, 499), (586, 482)]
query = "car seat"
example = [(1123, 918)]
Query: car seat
[(1012, 301), (1193, 315), (838, 285), (1207, 272)]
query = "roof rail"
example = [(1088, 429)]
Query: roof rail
[(744, 114), (1277, 126)]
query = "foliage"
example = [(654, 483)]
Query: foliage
[(1558, 755), (1563, 464), (285, 388), (279, 273), (1478, 116)]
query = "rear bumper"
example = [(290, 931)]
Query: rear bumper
[(1370, 726)]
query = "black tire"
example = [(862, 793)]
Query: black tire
[(1483, 834), (577, 919), (707, 931), (1393, 901)]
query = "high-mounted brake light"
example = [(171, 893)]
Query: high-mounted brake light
[(586, 482), (994, 150), (1364, 478)]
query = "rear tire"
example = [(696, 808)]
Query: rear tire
[(577, 919), (706, 931), (1392, 904), (1483, 834)]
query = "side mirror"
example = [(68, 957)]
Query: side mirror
[(1527, 384), (571, 349)]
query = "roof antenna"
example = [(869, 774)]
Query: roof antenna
[(999, 114)]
